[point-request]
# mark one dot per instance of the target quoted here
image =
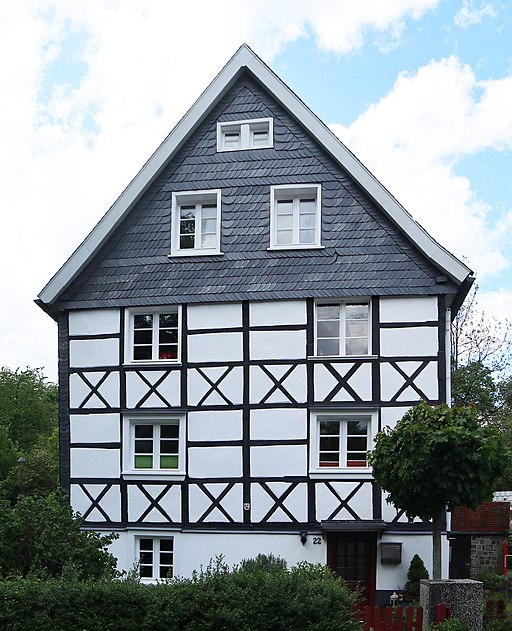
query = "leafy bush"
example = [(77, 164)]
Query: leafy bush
[(494, 582), (417, 571), (267, 562), (216, 599), (497, 625), (454, 624)]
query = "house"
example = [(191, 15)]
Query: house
[(248, 314)]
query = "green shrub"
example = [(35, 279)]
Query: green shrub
[(494, 582), (249, 598), (497, 625), (417, 571), (454, 624)]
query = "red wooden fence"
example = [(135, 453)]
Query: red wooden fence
[(494, 610), (400, 619)]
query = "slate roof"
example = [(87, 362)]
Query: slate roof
[(365, 252)]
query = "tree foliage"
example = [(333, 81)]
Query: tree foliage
[(41, 537), (28, 430), (437, 458)]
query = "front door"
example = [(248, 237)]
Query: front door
[(352, 556)]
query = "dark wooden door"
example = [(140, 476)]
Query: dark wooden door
[(352, 556), (460, 556)]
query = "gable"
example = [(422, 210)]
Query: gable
[(364, 253)]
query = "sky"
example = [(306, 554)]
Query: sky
[(419, 90)]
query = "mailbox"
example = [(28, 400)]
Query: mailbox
[(390, 553)]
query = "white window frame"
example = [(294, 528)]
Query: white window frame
[(294, 192), (129, 469), (342, 325), (196, 198), (246, 130), (342, 470), (155, 567), (130, 329)]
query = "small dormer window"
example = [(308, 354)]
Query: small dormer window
[(246, 134)]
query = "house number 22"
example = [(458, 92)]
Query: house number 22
[(317, 541)]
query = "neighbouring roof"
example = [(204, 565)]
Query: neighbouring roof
[(407, 254)]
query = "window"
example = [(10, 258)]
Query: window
[(156, 557), (154, 445), (295, 216), (246, 134), (153, 335), (195, 223), (343, 440), (342, 328)]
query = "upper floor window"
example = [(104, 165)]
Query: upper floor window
[(342, 328), (295, 216), (156, 557), (153, 335), (195, 223), (154, 445), (247, 134), (342, 439)]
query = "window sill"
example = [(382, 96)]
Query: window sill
[(222, 150), (341, 474), (143, 363), (154, 475), (190, 253), (273, 248), (319, 358)]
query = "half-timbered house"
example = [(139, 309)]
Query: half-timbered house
[(248, 314)]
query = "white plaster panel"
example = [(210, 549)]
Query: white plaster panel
[(408, 342), (277, 312), (427, 381), (417, 309), (391, 416), (94, 428), (231, 386), (101, 463), (169, 388), (200, 503), (84, 353), (327, 503), (94, 321), (214, 316), (277, 344), (215, 347), (215, 425), (279, 460), (170, 502), (360, 382), (79, 390), (295, 384), (278, 424), (296, 502), (215, 462), (110, 502)]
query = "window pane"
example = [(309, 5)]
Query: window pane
[(142, 336), (357, 328), (143, 446), (209, 226), (284, 237), (165, 572), (328, 328), (170, 431), (284, 207), (306, 236), (232, 140), (327, 347), (169, 446), (142, 352), (146, 557), (331, 443), (167, 545), (209, 211), (357, 428), (168, 352), (186, 242), (143, 431), (169, 336), (356, 443), (307, 221), (330, 428), (329, 460), (356, 460), (307, 206), (169, 462), (168, 320), (146, 544), (357, 346), (143, 321), (328, 312), (143, 462), (259, 138), (208, 240), (357, 312), (284, 222), (146, 571)]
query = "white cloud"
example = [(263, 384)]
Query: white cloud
[(467, 16), (411, 140)]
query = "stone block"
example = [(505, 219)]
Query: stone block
[(463, 596)]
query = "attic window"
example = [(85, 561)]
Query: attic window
[(195, 223), (246, 134)]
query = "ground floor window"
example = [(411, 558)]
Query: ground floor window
[(156, 557)]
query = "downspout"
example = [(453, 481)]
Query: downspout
[(447, 355)]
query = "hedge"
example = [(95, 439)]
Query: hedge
[(308, 597)]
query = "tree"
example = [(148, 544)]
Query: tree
[(474, 386), (42, 537), (28, 429), (437, 458)]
